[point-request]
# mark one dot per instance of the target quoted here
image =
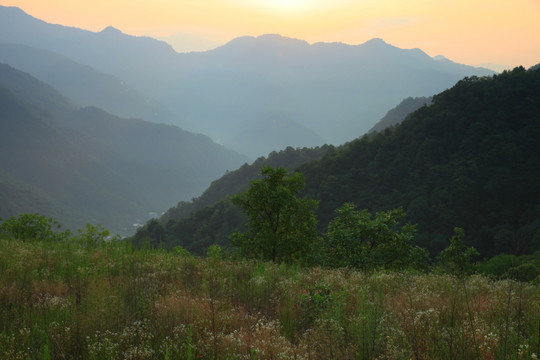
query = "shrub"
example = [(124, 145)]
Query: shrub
[(28, 227)]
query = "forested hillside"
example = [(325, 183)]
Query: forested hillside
[(470, 159), (211, 217), (238, 180)]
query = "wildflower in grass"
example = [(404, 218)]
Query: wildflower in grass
[(103, 345), (46, 302)]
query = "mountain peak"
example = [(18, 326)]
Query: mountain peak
[(376, 42), (277, 39), (440, 57), (111, 30), (12, 9), (265, 39)]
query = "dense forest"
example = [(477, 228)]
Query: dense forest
[(470, 159)]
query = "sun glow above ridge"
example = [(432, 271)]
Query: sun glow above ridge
[(282, 6), (287, 5)]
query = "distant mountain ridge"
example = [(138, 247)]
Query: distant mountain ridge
[(84, 165), (396, 115), (277, 131), (335, 90), (85, 85)]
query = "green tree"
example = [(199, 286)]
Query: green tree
[(281, 225), (457, 257), (151, 235), (94, 235), (359, 239)]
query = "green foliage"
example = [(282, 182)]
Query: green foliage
[(281, 225), (30, 227), (215, 252), (46, 355), (152, 234), (360, 240), (239, 180), (497, 266), (314, 303), (195, 232), (525, 272), (470, 158), (180, 251), (457, 257), (522, 268), (93, 235), (211, 218)]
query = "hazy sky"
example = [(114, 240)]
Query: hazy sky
[(467, 31)]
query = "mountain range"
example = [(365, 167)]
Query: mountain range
[(82, 164), (85, 85), (104, 127), (326, 92)]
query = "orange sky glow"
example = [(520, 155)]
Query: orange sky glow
[(473, 32)]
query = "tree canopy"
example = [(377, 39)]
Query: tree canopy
[(281, 225), (359, 239)]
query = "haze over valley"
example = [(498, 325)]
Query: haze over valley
[(157, 127), (332, 92)]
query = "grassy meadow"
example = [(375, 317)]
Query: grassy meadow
[(67, 300)]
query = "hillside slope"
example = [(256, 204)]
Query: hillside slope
[(239, 180), (85, 85), (85, 165), (470, 159), (400, 112)]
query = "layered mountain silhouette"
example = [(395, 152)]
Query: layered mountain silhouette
[(85, 85), (277, 131), (335, 91), (82, 164), (400, 112)]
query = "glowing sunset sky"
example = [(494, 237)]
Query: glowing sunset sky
[(467, 31)]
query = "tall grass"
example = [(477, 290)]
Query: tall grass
[(62, 300)]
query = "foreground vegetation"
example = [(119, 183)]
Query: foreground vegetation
[(78, 296)]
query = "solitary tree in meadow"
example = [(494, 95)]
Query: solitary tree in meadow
[(281, 225)]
